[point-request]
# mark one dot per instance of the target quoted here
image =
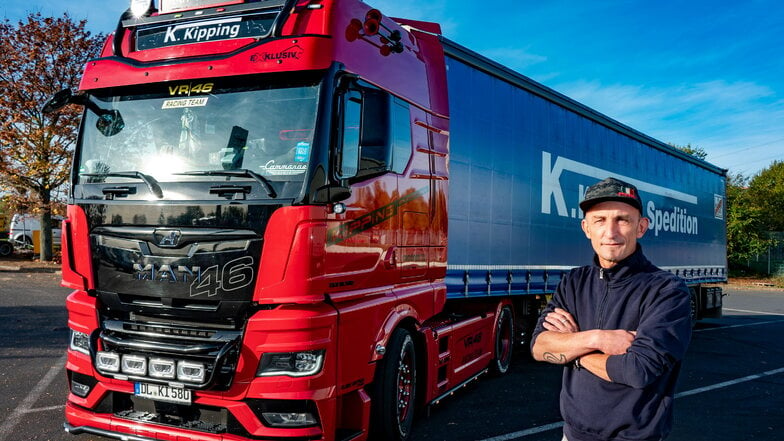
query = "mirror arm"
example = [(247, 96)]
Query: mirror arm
[(332, 193)]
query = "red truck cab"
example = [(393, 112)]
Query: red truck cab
[(257, 232)]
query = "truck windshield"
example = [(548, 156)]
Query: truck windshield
[(168, 131)]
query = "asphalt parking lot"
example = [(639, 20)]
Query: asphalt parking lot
[(732, 386)]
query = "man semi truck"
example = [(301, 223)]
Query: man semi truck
[(301, 219)]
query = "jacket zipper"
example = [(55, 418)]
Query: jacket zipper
[(603, 302)]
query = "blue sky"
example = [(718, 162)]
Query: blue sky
[(709, 73)]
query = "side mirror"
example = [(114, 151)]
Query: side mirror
[(58, 101), (109, 123)]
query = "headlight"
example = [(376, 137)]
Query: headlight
[(293, 364), (80, 342)]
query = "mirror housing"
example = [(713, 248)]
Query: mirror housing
[(60, 100)]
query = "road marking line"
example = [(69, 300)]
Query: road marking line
[(523, 433), (742, 325), (27, 404), (754, 312), (553, 426), (728, 383), (45, 409)]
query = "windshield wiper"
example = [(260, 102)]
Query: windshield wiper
[(241, 173), (152, 184)]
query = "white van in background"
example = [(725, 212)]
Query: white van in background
[(21, 227)]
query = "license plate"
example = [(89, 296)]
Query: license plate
[(162, 392)]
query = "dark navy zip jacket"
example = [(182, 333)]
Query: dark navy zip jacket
[(637, 296)]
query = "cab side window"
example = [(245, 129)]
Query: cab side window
[(375, 133), (352, 107), (401, 135)]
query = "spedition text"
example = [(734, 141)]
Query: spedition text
[(674, 220)]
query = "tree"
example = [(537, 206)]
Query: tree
[(766, 190), (697, 152), (747, 235), (39, 57)]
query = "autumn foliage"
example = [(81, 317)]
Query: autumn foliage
[(39, 57)]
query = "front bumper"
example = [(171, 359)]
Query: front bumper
[(73, 430), (81, 420), (108, 406)]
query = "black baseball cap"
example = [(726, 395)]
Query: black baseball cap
[(611, 189)]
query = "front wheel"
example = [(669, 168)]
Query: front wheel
[(394, 387)]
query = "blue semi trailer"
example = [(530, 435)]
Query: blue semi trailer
[(520, 166)]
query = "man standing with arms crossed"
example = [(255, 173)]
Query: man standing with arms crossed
[(621, 326)]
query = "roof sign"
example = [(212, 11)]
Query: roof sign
[(202, 31)]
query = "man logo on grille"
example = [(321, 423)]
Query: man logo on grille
[(167, 238)]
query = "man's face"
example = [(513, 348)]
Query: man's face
[(613, 228)]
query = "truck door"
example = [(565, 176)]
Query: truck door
[(412, 167), (362, 241)]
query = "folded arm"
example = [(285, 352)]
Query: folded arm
[(562, 342)]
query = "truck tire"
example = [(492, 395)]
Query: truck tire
[(394, 390), (504, 342), (695, 307), (6, 249)]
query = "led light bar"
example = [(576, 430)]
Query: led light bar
[(158, 368), (162, 368), (191, 372), (134, 365), (107, 362)]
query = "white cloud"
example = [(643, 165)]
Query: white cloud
[(739, 123)]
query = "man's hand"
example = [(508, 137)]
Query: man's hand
[(560, 321), (614, 342)]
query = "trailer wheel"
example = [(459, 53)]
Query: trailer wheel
[(694, 305), (394, 387), (504, 342)]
